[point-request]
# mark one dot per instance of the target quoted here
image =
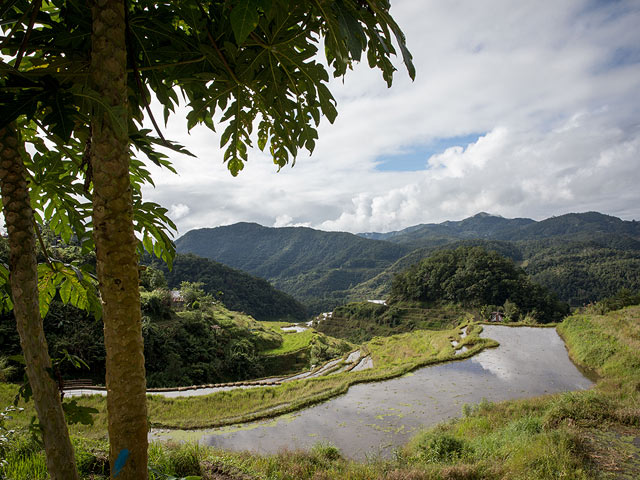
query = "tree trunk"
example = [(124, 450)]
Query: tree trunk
[(117, 262), (18, 216)]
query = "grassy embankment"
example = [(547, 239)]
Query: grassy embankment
[(299, 350), (575, 435), (291, 341), (392, 356)]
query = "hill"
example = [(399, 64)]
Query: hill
[(442, 290), (236, 289), (481, 225), (583, 257), (316, 267), (492, 227)]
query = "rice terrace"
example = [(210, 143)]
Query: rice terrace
[(319, 240)]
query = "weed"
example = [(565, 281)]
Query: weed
[(436, 447)]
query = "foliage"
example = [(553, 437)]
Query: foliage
[(6, 370), (319, 276), (359, 322), (441, 447), (180, 347), (473, 277), (623, 298), (241, 60), (235, 289), (152, 279)]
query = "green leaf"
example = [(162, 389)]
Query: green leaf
[(244, 19), (65, 291), (75, 413), (60, 118)]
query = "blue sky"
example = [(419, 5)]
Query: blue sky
[(414, 158), (540, 96)]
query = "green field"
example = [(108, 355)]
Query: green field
[(393, 356), (576, 435), (291, 341)]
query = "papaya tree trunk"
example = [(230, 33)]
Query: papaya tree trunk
[(117, 262), (24, 287)]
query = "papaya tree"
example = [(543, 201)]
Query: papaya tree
[(251, 63)]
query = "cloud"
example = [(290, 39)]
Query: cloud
[(554, 85), (578, 168), (178, 211)]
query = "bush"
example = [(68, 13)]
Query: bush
[(437, 447), (92, 458), (325, 451), (582, 408)]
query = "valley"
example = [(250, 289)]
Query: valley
[(582, 257), (371, 379)]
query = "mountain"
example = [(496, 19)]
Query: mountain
[(238, 290), (481, 225), (316, 267), (492, 227), (578, 225), (583, 257)]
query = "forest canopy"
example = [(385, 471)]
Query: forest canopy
[(475, 277)]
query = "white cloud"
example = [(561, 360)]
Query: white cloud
[(552, 84), (178, 211)]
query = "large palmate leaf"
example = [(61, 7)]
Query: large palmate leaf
[(247, 68)]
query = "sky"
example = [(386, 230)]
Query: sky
[(520, 109)]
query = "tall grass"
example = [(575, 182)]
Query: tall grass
[(392, 357), (540, 438)]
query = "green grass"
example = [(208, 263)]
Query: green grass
[(275, 326), (291, 342), (570, 435), (392, 356)]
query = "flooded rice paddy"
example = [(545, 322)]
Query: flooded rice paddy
[(375, 418)]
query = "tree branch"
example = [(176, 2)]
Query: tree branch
[(42, 245), (136, 75), (23, 46), (215, 45)]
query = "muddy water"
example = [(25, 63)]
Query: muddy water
[(375, 418)]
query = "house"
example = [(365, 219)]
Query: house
[(378, 302), (177, 300), (497, 317)]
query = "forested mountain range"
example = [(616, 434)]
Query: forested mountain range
[(491, 227), (481, 225), (318, 268), (583, 257)]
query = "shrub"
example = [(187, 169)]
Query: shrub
[(442, 447), (582, 408), (326, 451)]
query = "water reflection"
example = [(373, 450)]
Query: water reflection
[(375, 418)]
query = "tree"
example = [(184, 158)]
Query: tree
[(24, 285), (248, 60)]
